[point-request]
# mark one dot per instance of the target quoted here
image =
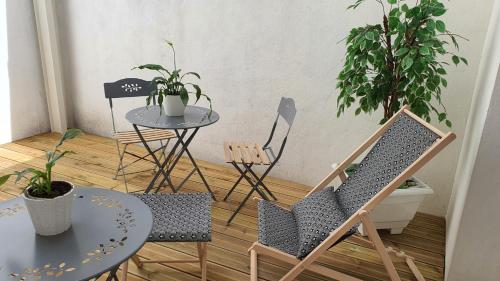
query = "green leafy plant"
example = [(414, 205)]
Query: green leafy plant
[(399, 62), (170, 83), (40, 181)]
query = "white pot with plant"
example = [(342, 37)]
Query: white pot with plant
[(400, 61), (49, 202), (172, 89), (399, 208)]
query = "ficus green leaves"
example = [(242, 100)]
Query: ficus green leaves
[(408, 71)]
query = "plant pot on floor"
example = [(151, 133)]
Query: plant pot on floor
[(399, 208), (174, 106), (51, 216)]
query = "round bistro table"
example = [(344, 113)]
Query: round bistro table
[(108, 227), (194, 118)]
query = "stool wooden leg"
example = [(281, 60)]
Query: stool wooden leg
[(137, 261), (253, 265), (202, 254), (124, 271)]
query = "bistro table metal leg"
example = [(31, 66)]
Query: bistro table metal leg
[(200, 174), (196, 168), (153, 155), (112, 274), (177, 157)]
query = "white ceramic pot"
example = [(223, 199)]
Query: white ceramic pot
[(50, 216), (399, 208), (174, 106)]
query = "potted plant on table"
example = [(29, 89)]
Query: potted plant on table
[(400, 61), (49, 202), (171, 88)]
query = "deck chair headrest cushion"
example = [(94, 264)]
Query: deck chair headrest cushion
[(316, 216), (401, 145)]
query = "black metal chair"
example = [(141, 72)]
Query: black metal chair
[(127, 88), (249, 154)]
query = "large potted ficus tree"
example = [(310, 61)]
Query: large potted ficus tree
[(400, 61), (172, 89), (49, 202)]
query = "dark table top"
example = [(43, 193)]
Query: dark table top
[(194, 117), (107, 228)]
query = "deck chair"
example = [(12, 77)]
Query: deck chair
[(326, 216), (249, 155), (126, 88)]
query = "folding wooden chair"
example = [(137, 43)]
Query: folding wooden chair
[(249, 154), (326, 215), (126, 88)]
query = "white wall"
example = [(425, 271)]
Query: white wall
[(475, 192), (250, 53), (476, 251), (24, 107)]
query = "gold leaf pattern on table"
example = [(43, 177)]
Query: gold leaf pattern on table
[(125, 220), (48, 270), (103, 200), (103, 250)]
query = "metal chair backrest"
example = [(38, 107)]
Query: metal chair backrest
[(287, 111), (398, 148), (127, 88)]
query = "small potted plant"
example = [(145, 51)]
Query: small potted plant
[(400, 61), (172, 90), (49, 202)]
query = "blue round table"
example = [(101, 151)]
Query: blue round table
[(108, 227)]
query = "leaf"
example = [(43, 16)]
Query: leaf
[(392, 1), (184, 96), (69, 134), (424, 51), (407, 63), (456, 59), (401, 52), (444, 82), (191, 73), (4, 179), (441, 71), (198, 92), (441, 117), (448, 123), (464, 60), (150, 66), (440, 26), (431, 24), (370, 36), (438, 12)]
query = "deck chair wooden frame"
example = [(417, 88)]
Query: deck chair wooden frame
[(361, 216)]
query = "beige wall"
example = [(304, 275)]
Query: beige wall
[(250, 53)]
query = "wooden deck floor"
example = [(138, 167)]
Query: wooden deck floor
[(94, 165)]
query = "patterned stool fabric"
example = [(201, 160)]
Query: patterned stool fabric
[(178, 217)]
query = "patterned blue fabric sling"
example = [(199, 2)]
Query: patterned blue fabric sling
[(319, 214)]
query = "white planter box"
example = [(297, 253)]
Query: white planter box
[(397, 210)]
